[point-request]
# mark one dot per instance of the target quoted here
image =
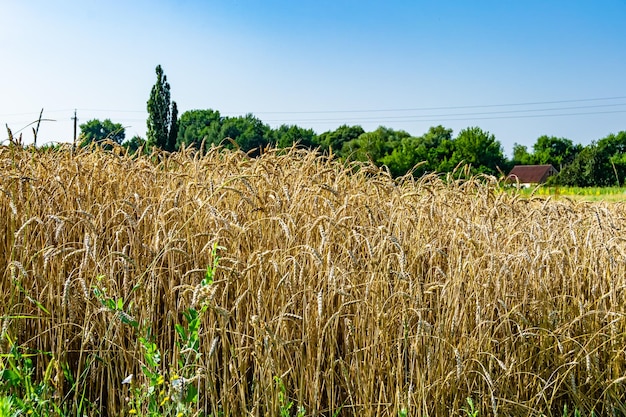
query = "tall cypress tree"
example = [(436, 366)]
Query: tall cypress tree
[(159, 111), (173, 133)]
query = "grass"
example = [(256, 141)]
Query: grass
[(609, 194), (292, 284)]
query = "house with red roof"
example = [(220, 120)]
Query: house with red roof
[(528, 175)]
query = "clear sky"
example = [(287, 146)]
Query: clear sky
[(518, 69)]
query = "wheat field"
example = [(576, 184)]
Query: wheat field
[(338, 289)]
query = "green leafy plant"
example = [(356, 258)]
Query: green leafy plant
[(8, 407), (162, 396), (577, 412), (210, 270), (22, 394), (470, 410), (115, 305), (284, 404)]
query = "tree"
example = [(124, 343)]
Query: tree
[(247, 131), (374, 145), (582, 171), (425, 150), (435, 147), (403, 157), (600, 164), (521, 156), (95, 131), (612, 165), (134, 143), (159, 113), (480, 149), (196, 126), (286, 135), (172, 136), (335, 139), (555, 151)]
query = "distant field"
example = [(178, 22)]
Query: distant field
[(294, 285), (579, 193)]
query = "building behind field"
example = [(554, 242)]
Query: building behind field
[(528, 175)]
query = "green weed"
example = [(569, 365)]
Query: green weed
[(168, 389), (21, 393), (470, 410)]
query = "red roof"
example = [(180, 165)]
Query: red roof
[(531, 174)]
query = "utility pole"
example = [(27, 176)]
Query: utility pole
[(75, 120)]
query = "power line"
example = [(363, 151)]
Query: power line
[(71, 110), (476, 106), (116, 111), (535, 103), (440, 117), (445, 119), (528, 116), (33, 113), (445, 115)]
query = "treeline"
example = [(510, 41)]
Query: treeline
[(601, 163), (437, 150)]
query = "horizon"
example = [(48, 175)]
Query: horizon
[(518, 71)]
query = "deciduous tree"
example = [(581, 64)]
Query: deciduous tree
[(555, 151), (247, 131), (336, 138), (521, 156), (197, 126), (286, 135), (480, 149), (134, 143), (96, 131), (599, 164)]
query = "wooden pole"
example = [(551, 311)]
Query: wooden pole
[(75, 120)]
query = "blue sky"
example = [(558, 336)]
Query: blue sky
[(319, 64)]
